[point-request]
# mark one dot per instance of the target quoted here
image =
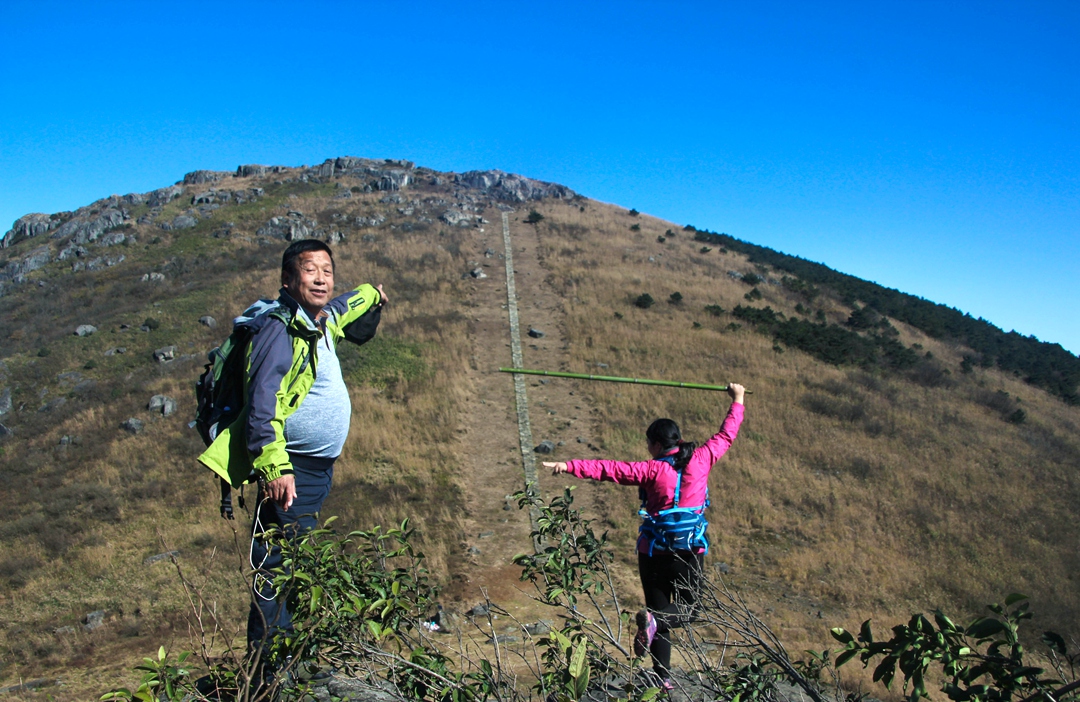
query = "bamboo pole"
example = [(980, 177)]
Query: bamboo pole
[(614, 379)]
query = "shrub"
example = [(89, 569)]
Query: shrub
[(534, 217), (1017, 417), (151, 324), (634, 213), (661, 239), (675, 298), (704, 249), (753, 295), (669, 233), (644, 301), (689, 228), (714, 310), (635, 227), (43, 352), (752, 278)]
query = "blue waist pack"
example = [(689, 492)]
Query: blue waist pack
[(678, 528)]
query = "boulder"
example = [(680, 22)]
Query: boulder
[(184, 222), (391, 180), (545, 447), (251, 170), (200, 177), (457, 218), (291, 228), (164, 196), (536, 333), (85, 330), (27, 226), (4, 431), (165, 354), (116, 350), (134, 198), (162, 403), (94, 620), (16, 271), (113, 239), (153, 278), (72, 250), (168, 555), (478, 273), (5, 401), (208, 321), (512, 187), (83, 230), (132, 425)]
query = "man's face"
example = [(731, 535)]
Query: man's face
[(313, 283)]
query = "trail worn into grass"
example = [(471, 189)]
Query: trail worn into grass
[(497, 460)]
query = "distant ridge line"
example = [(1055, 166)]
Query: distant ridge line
[(1043, 364)]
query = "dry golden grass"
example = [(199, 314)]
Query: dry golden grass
[(848, 494)]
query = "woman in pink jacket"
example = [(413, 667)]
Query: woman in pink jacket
[(674, 488)]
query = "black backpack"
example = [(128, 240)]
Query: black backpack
[(220, 397)]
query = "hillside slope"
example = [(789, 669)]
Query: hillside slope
[(878, 472)]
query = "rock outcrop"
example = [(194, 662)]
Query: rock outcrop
[(512, 187)]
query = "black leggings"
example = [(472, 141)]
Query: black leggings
[(671, 581)]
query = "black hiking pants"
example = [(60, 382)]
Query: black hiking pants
[(671, 581), (269, 615)]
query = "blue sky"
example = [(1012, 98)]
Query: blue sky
[(932, 147)]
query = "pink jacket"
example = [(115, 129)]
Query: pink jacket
[(658, 478)]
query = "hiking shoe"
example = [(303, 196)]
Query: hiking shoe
[(646, 632), (666, 686)]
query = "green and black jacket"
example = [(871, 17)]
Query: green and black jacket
[(281, 368)]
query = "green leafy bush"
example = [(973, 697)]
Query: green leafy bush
[(534, 217), (714, 310), (675, 298), (644, 301)]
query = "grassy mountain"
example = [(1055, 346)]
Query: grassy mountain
[(897, 455)]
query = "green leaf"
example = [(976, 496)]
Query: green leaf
[(577, 661), (1014, 598), (842, 636), (650, 694), (161, 653), (846, 656), (1054, 642), (396, 588), (985, 627), (865, 635)]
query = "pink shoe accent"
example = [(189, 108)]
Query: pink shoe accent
[(646, 624)]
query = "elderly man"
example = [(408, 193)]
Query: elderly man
[(297, 415)]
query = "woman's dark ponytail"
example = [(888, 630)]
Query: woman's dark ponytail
[(666, 433)]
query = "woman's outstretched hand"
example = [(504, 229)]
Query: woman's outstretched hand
[(556, 468), (736, 391)]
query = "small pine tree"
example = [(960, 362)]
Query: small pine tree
[(534, 217), (675, 298), (634, 213), (644, 301)]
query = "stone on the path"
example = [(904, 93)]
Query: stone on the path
[(478, 273), (85, 330), (545, 446), (208, 321), (536, 334), (116, 350)]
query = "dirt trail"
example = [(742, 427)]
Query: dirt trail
[(496, 529)]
